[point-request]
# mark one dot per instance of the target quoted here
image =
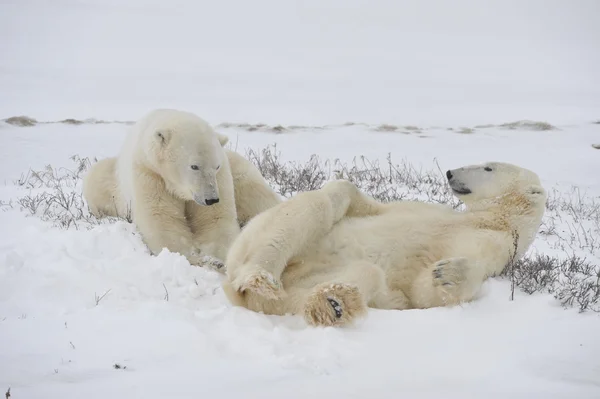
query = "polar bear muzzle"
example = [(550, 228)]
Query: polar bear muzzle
[(201, 200), (457, 186)]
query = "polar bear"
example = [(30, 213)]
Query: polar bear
[(175, 181), (331, 253), (252, 192)]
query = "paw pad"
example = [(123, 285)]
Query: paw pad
[(450, 272), (334, 305), (337, 308)]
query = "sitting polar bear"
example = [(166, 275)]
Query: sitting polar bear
[(180, 187), (331, 253)]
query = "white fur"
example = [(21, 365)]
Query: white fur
[(252, 193), (170, 171), (336, 248)]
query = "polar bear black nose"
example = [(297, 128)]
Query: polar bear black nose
[(449, 175), (212, 201)]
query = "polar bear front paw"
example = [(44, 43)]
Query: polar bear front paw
[(262, 283), (213, 263), (334, 305), (208, 261), (450, 272)]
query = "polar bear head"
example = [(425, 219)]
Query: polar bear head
[(488, 181), (186, 152)]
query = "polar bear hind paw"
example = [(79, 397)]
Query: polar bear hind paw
[(334, 305), (450, 272), (337, 308), (262, 283)]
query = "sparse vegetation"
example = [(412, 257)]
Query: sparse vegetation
[(259, 127), (99, 298), (386, 128), (400, 129), (573, 281), (572, 221), (388, 182), (571, 224), (72, 121), (22, 121), (54, 194), (26, 121), (528, 125), (166, 298)]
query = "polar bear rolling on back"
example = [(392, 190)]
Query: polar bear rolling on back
[(331, 253)]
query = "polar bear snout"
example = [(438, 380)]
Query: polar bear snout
[(458, 186), (204, 188), (201, 200)]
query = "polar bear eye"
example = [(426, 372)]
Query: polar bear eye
[(487, 169), (195, 167), (218, 167)]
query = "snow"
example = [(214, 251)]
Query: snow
[(435, 65), (195, 342)]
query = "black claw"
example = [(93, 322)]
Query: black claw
[(336, 307)]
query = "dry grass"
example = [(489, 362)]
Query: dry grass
[(528, 125), (23, 121), (54, 195), (388, 182), (572, 221), (573, 280)]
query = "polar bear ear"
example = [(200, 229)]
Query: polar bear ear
[(222, 139), (162, 136)]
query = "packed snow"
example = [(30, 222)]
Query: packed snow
[(90, 313)]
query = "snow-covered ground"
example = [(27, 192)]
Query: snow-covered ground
[(74, 303)]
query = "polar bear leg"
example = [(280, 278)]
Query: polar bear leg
[(253, 194), (446, 282), (350, 200), (215, 227), (160, 219), (333, 298), (100, 189), (274, 237), (390, 299)]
